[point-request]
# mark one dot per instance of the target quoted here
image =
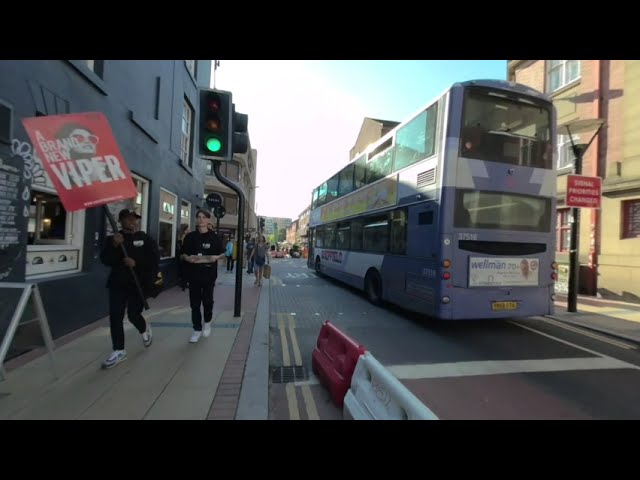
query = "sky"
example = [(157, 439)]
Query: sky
[(305, 116)]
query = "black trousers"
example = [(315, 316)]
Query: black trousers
[(119, 299), (201, 293)]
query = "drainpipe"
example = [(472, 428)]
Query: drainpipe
[(598, 169)]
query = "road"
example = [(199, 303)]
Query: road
[(535, 368)]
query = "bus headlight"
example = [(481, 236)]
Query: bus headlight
[(446, 299)]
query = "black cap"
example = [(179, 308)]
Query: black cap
[(127, 213)]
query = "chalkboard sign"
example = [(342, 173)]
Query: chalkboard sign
[(15, 197)]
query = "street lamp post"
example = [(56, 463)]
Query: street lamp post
[(579, 149)]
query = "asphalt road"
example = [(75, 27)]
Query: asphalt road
[(534, 368)]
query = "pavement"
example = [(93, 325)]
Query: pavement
[(223, 377)]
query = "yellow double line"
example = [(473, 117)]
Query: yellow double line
[(287, 320)]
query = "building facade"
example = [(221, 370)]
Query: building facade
[(242, 171), (151, 107), (609, 238)]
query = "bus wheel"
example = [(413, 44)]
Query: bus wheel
[(373, 288), (318, 272)]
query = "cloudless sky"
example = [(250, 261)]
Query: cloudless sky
[(305, 116)]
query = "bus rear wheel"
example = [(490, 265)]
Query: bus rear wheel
[(373, 287)]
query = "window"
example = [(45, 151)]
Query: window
[(360, 171), (49, 222), (185, 213), (515, 132), (55, 237), (343, 236), (380, 166), (416, 140), (398, 220), (96, 66), (187, 128), (230, 170), (563, 229), (346, 180), (375, 236), (191, 66), (561, 73), (230, 203), (502, 211), (566, 158), (631, 219), (168, 218)]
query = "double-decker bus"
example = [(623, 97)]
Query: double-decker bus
[(452, 213)]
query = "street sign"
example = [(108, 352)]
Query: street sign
[(214, 200), (583, 191), (219, 212)]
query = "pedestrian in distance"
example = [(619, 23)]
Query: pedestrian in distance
[(143, 259), (201, 250), (260, 256)]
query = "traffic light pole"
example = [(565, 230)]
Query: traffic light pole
[(240, 234)]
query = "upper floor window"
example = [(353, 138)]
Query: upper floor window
[(561, 73), (563, 230), (631, 218), (191, 66), (96, 66), (566, 158), (187, 128)]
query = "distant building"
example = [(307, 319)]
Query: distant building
[(372, 130)]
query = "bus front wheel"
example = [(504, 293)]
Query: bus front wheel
[(373, 287)]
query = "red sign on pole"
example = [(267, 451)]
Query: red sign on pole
[(583, 192), (81, 156)]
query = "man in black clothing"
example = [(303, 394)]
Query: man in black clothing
[(143, 258), (201, 250)]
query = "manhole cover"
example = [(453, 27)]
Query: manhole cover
[(288, 374)]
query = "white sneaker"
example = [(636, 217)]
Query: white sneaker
[(206, 331), (115, 358), (147, 337), (195, 336)]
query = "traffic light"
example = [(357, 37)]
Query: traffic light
[(261, 224), (216, 125), (240, 137)]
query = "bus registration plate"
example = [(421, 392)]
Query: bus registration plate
[(504, 305)]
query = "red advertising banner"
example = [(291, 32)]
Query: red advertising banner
[(82, 158), (583, 191)]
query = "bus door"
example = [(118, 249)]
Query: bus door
[(311, 241)]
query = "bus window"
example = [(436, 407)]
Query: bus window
[(356, 234), (343, 236), (500, 129), (398, 220), (322, 194), (360, 172), (332, 188), (380, 166), (346, 180), (314, 199), (375, 234), (330, 236), (416, 140), (502, 211)]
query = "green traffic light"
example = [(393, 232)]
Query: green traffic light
[(213, 145)]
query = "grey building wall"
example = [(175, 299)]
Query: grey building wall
[(143, 101)]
